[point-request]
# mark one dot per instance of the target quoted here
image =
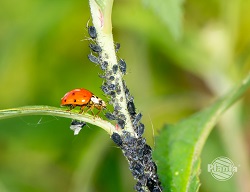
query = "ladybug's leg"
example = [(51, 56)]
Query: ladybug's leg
[(90, 107), (100, 108), (82, 108), (71, 107), (98, 112)]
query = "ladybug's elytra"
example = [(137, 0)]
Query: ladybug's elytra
[(83, 98)]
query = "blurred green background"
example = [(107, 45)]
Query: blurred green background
[(181, 56)]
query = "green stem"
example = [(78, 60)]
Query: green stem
[(48, 110), (102, 22)]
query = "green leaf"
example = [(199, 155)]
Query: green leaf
[(178, 147), (170, 12)]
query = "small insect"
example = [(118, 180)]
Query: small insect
[(115, 69), (78, 123), (117, 139), (147, 150), (117, 47), (137, 119), (112, 93), (152, 185), (129, 97), (92, 32), (105, 88), (140, 129), (122, 116), (102, 76), (83, 98), (117, 107), (131, 108), (118, 89), (95, 48), (111, 78), (122, 66), (104, 65), (110, 116), (76, 126), (121, 123), (93, 59), (112, 87)]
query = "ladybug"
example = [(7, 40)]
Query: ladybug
[(83, 98)]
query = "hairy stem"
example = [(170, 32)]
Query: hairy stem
[(130, 140), (103, 25), (47, 110)]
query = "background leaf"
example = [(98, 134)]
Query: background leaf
[(170, 12), (178, 147)]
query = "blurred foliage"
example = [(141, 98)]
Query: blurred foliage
[(178, 147), (43, 54)]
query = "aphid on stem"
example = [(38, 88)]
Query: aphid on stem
[(93, 59), (92, 32), (95, 48), (117, 139), (122, 66)]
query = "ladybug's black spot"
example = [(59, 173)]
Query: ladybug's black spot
[(65, 100), (73, 93), (74, 100)]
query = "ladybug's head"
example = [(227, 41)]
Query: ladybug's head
[(98, 102), (102, 103)]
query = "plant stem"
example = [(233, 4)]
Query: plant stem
[(103, 25), (130, 140), (48, 110)]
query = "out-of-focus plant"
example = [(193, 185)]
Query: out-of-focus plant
[(176, 45)]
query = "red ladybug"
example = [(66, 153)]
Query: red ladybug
[(83, 98)]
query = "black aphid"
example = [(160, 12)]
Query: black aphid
[(93, 59), (104, 65), (76, 126), (131, 108), (140, 129), (78, 123), (122, 66), (117, 139), (112, 93), (121, 123), (117, 47), (105, 89), (111, 87), (111, 78), (110, 116), (137, 119), (115, 69), (92, 32), (95, 48), (117, 107)]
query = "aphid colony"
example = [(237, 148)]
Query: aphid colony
[(110, 86), (138, 153), (84, 98)]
